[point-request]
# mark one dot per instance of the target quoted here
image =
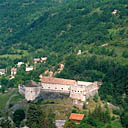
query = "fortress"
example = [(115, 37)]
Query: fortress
[(78, 91)]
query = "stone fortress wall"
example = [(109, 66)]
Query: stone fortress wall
[(77, 90)]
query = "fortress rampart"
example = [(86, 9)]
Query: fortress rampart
[(77, 90)]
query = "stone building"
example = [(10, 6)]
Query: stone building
[(79, 91), (32, 91), (83, 90), (56, 84)]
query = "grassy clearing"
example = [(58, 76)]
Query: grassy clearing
[(4, 98), (61, 107), (10, 56), (114, 124), (14, 56), (16, 99)]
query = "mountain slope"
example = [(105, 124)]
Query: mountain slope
[(59, 28), (68, 23)]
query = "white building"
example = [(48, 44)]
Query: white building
[(36, 60), (43, 59), (13, 71), (25, 127), (79, 52), (114, 12), (60, 123), (2, 71), (28, 69), (19, 64)]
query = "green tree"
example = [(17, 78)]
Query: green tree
[(18, 116), (70, 124), (124, 119), (35, 117), (6, 123)]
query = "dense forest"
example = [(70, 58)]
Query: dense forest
[(58, 29)]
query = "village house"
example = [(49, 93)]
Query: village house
[(43, 59), (25, 127), (19, 64), (79, 52), (29, 68), (114, 12), (36, 60), (2, 71), (13, 71), (61, 67), (76, 117)]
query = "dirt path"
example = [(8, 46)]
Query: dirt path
[(8, 102)]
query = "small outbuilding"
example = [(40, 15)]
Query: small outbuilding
[(13, 71), (76, 117), (2, 71)]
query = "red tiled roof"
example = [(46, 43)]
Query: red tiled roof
[(52, 80), (75, 116), (32, 84), (14, 69)]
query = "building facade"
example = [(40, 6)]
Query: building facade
[(2, 71), (32, 91), (56, 84), (13, 71), (77, 90)]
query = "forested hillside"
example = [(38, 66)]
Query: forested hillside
[(59, 28)]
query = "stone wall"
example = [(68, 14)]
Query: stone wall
[(21, 89), (55, 88), (83, 92), (31, 93), (78, 92), (53, 95)]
